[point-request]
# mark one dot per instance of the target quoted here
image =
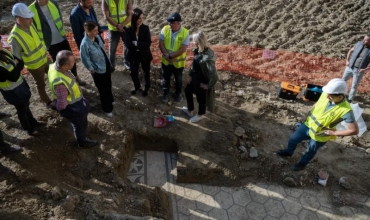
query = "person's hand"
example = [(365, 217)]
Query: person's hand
[(203, 86), (330, 132), (347, 63), (120, 28), (49, 56), (189, 80), (166, 56), (16, 61), (362, 70), (92, 71)]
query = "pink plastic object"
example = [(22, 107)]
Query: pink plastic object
[(160, 122)]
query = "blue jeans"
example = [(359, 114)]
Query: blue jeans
[(357, 76), (114, 37), (297, 137), (167, 71)]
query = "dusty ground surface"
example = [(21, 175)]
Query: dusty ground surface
[(51, 178)]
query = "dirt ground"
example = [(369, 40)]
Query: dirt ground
[(52, 179)]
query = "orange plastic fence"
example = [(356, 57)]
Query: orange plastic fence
[(269, 65)]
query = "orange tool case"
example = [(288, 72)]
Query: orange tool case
[(288, 91)]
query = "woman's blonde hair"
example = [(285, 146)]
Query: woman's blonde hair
[(201, 39)]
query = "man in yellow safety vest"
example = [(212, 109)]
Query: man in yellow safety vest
[(118, 15), (27, 45), (173, 42), (320, 125), (49, 24), (68, 97)]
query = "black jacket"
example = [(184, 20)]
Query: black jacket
[(143, 43), (22, 92), (46, 30)]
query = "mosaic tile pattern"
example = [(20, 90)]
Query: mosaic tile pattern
[(254, 201)]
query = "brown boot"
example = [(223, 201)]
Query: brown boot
[(80, 81)]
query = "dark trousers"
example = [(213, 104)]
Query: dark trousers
[(54, 50), (104, 84), (3, 145), (114, 37), (201, 94), (135, 71), (78, 121), (167, 71), (25, 116)]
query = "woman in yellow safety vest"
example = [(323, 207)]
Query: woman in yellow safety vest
[(16, 90)]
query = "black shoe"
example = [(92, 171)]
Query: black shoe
[(4, 115), (133, 92), (10, 149), (298, 167), (112, 69), (164, 98), (283, 153), (39, 123), (145, 93), (178, 98), (4, 169), (88, 144)]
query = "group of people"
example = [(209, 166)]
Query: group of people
[(38, 43), (38, 39)]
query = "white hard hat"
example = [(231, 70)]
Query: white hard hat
[(336, 86), (21, 10)]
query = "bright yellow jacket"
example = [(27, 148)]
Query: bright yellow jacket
[(34, 50), (179, 61), (117, 13), (9, 85), (54, 14), (318, 121), (55, 78)]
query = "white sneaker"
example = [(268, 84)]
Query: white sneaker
[(197, 118), (185, 109), (109, 114)]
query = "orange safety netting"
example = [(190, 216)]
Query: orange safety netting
[(269, 65)]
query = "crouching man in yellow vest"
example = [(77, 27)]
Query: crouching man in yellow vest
[(173, 42), (27, 45), (68, 98), (320, 125)]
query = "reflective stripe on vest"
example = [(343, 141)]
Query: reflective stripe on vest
[(118, 14), (34, 51), (55, 78), (179, 61), (320, 120), (54, 14), (8, 85)]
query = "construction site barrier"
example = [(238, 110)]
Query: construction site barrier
[(259, 63)]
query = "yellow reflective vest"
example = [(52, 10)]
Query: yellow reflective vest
[(179, 61), (34, 50), (8, 85), (117, 13), (54, 14), (320, 120), (55, 78)]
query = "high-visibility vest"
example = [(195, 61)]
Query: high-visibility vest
[(117, 13), (179, 61), (54, 14), (9, 85), (318, 120), (34, 50), (55, 78)]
